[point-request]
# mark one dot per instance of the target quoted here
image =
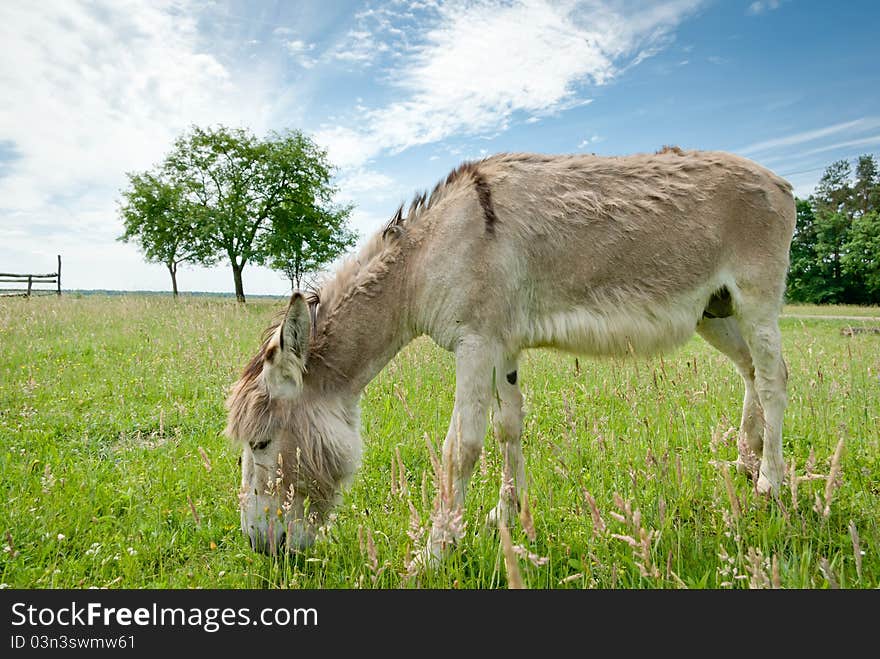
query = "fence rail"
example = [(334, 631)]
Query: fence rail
[(30, 280)]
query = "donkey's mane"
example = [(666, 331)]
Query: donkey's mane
[(357, 273)]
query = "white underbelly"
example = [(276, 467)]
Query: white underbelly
[(625, 330)]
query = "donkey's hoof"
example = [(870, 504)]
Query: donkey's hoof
[(766, 486), (429, 558), (432, 554), (500, 516)]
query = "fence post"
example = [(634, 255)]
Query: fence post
[(30, 283), (59, 275)]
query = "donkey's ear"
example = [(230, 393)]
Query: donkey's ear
[(287, 351), (294, 338)]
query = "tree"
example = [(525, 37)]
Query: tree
[(308, 230), (832, 202), (806, 280), (866, 191), (304, 242), (835, 251), (155, 216), (236, 185), (862, 258)]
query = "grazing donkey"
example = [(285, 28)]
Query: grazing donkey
[(594, 255)]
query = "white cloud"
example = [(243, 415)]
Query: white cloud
[(299, 49), (95, 89), (590, 140), (477, 64), (297, 46), (762, 6), (365, 183), (347, 147)]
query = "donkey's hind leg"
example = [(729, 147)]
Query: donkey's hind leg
[(507, 418), (724, 335), (759, 324)]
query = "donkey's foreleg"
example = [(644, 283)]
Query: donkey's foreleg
[(474, 361), (507, 423)]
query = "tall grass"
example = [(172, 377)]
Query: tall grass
[(115, 474)]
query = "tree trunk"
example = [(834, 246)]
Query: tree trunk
[(297, 265), (172, 268), (239, 288)]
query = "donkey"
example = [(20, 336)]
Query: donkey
[(592, 255)]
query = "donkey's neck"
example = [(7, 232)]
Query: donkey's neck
[(362, 333)]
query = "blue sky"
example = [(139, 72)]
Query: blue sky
[(399, 93)]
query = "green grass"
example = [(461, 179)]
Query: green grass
[(105, 401), (836, 310)]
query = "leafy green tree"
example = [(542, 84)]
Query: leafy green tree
[(303, 242), (308, 230), (155, 216), (832, 235), (834, 251), (832, 202), (862, 258), (834, 192), (866, 191), (806, 278), (238, 187)]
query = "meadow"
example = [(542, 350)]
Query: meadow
[(114, 472)]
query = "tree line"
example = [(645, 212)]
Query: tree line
[(835, 252), (222, 194)]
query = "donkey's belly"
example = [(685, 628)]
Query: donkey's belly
[(624, 330)]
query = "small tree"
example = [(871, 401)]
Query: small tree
[(155, 216), (304, 241), (307, 230)]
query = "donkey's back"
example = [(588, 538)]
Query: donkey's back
[(609, 255)]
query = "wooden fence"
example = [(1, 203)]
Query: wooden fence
[(30, 280)]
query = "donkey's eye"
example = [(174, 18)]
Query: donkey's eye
[(258, 446)]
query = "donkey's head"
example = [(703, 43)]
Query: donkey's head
[(300, 437)]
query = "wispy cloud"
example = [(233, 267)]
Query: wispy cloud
[(865, 123), (380, 32), (763, 6), (873, 140), (476, 65)]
